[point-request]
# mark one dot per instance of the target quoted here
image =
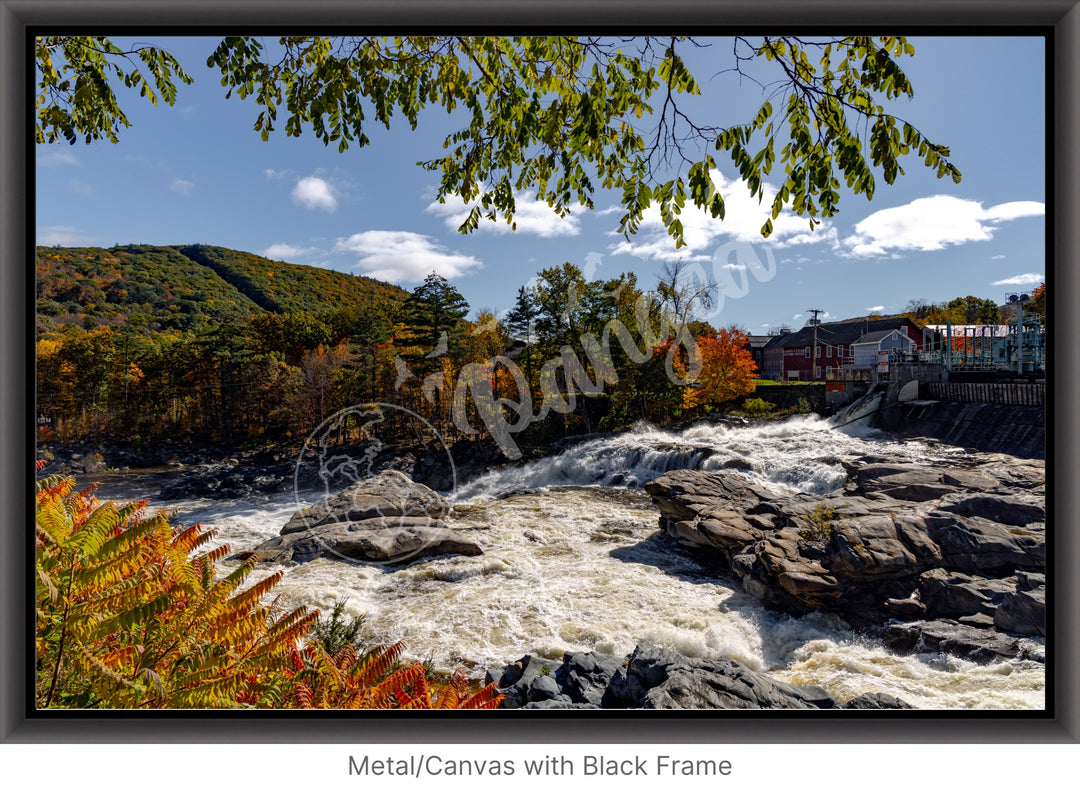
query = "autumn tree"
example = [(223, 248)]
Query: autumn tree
[(1038, 302), (727, 372), (320, 373), (561, 116)]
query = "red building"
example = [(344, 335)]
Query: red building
[(820, 352)]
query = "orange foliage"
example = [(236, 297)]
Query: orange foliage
[(727, 371)]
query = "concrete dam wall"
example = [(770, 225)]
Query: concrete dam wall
[(1011, 429)]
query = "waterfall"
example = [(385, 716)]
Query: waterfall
[(797, 454), (858, 415)]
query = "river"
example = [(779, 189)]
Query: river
[(572, 562)]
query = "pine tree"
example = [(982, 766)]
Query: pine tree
[(434, 315), (520, 323)]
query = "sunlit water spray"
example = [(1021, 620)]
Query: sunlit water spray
[(572, 562)]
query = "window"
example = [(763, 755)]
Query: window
[(807, 353), (817, 351), (828, 351), (817, 372)]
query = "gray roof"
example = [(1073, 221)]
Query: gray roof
[(873, 337), (839, 333)]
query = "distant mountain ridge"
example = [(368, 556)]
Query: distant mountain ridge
[(186, 287)]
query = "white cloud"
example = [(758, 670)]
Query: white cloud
[(743, 218), (398, 256), (181, 186), (531, 216), (931, 223), (275, 174), (57, 158), (610, 210), (315, 194), (1021, 279), (997, 257), (65, 236), (282, 251), (1015, 210), (876, 309)]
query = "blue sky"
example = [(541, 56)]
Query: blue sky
[(197, 173)]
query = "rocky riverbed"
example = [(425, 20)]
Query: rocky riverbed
[(927, 558)]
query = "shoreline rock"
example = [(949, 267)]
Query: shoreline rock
[(929, 558), (655, 677)]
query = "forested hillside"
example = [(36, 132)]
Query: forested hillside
[(138, 345), (183, 287)]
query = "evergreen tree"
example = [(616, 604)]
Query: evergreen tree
[(520, 323), (434, 315)]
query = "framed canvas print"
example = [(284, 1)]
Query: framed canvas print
[(592, 372)]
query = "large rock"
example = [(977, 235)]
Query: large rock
[(388, 494), (658, 678), (1023, 612), (911, 483), (516, 679), (940, 636), (946, 594), (898, 541), (372, 540), (386, 519)]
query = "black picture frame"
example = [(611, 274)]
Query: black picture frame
[(1058, 20)]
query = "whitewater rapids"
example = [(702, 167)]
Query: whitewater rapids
[(572, 562)]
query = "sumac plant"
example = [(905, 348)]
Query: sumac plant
[(130, 613)]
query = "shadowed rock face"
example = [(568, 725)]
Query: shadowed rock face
[(386, 519), (902, 543), (654, 677)]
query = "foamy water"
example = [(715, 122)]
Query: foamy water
[(572, 562)]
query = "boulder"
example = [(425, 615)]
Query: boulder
[(876, 701), (386, 519), (388, 494), (1023, 612), (584, 677), (516, 678), (899, 481), (956, 595), (943, 636), (658, 678), (976, 545), (1008, 510), (374, 540)]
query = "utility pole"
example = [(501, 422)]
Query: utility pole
[(813, 352)]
